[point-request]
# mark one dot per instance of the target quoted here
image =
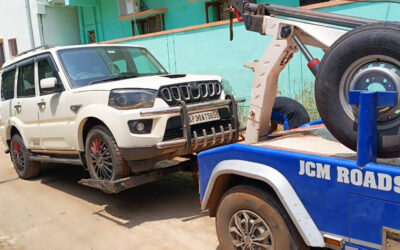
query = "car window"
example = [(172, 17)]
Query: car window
[(93, 64), (46, 71), (143, 65), (84, 65), (7, 85), (26, 81), (120, 66)]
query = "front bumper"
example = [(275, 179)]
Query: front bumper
[(191, 140)]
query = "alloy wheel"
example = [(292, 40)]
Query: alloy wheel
[(249, 231), (101, 159), (18, 156)]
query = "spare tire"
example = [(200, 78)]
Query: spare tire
[(365, 58), (288, 112)]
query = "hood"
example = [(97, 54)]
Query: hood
[(148, 82)]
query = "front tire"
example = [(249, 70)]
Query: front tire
[(104, 160), (24, 167), (249, 218)]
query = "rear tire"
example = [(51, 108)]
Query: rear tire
[(103, 158), (267, 221), (24, 167), (365, 58)]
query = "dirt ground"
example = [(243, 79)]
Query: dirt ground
[(53, 211)]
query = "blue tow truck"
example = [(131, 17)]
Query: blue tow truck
[(303, 188)]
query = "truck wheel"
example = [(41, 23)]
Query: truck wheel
[(104, 161), (24, 167), (365, 58), (249, 218)]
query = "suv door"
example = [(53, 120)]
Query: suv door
[(24, 106), (56, 119), (7, 94)]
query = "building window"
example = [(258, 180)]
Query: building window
[(217, 6), (92, 36), (148, 25), (307, 2), (12, 44), (2, 57)]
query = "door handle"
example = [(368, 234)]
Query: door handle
[(41, 104), (17, 107)]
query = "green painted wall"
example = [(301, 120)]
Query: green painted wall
[(113, 28), (102, 16), (181, 13), (209, 51)]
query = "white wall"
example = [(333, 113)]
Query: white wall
[(61, 26), (14, 24), (51, 24)]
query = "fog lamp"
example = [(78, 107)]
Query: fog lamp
[(140, 126)]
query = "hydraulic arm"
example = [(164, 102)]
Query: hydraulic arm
[(289, 36)]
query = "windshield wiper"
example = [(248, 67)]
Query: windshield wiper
[(112, 78)]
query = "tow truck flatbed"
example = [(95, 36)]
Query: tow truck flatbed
[(315, 140)]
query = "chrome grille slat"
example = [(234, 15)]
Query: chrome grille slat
[(195, 94), (185, 92), (211, 89), (204, 90), (166, 94), (218, 88), (190, 92), (176, 93)]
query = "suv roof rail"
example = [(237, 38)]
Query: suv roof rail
[(46, 46)]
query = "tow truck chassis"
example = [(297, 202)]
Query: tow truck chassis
[(117, 186)]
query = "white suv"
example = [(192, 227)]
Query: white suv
[(113, 108)]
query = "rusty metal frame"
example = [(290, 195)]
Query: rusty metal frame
[(216, 138), (119, 185), (187, 133), (235, 116), (390, 238)]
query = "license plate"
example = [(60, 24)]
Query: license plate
[(206, 116)]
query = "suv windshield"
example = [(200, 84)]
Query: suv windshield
[(91, 65)]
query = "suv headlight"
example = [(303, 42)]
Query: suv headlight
[(132, 98)]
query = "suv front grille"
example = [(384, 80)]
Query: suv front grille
[(190, 92), (174, 126)]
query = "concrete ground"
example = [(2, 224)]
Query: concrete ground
[(53, 211)]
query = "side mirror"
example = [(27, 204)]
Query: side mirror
[(48, 84)]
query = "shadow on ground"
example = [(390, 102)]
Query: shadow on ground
[(173, 196)]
